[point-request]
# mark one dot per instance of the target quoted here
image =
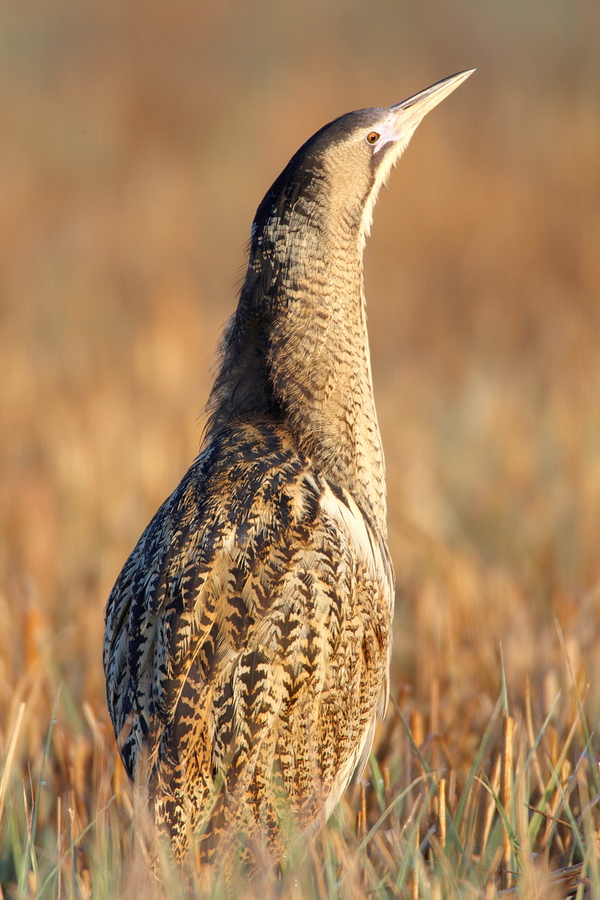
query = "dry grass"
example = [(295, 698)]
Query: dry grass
[(137, 141)]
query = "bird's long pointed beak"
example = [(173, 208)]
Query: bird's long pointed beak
[(407, 115)]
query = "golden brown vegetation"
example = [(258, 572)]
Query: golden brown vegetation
[(137, 140)]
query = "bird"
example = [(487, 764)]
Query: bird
[(248, 636)]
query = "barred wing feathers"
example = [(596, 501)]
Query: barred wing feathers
[(247, 641)]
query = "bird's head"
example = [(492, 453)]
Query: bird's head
[(336, 175)]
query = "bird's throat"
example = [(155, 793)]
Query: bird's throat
[(297, 350), (320, 368)]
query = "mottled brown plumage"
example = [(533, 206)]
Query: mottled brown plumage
[(248, 636)]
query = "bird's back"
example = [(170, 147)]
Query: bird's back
[(247, 643)]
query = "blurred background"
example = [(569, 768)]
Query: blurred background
[(136, 140)]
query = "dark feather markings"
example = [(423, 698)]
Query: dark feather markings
[(243, 635)]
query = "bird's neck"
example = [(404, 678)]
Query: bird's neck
[(297, 350)]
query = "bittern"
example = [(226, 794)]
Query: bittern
[(248, 635)]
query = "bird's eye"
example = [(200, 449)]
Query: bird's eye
[(373, 137)]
